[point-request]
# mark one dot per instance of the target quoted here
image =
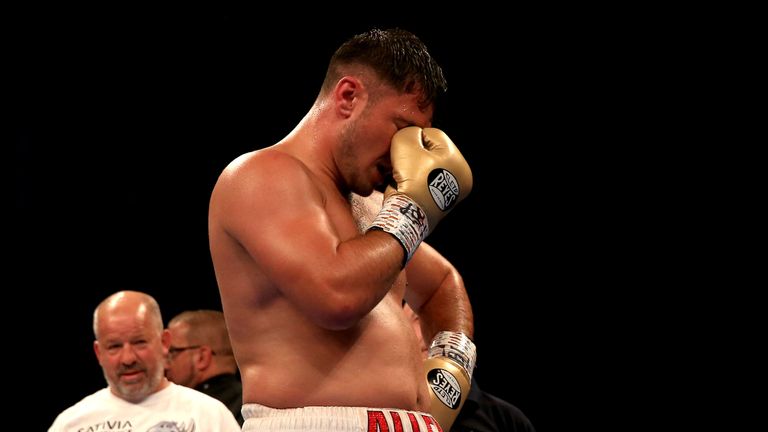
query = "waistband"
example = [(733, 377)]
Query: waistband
[(338, 419)]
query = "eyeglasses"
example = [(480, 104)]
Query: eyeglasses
[(174, 351)]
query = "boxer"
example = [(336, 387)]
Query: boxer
[(313, 297)]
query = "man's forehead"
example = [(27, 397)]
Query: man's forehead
[(407, 108)]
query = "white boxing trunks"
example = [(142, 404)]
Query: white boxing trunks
[(336, 419)]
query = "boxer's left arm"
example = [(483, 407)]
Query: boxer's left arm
[(437, 294)]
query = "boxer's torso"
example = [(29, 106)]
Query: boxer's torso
[(288, 361)]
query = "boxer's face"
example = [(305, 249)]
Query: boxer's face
[(131, 352), (366, 139)]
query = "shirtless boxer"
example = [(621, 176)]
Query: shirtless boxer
[(313, 303)]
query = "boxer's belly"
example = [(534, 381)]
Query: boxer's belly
[(374, 364)]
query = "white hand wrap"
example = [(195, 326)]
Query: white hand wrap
[(457, 347), (449, 375), (405, 220)]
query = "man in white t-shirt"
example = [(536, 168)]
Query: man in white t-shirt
[(131, 347)]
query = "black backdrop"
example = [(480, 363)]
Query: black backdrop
[(123, 122)]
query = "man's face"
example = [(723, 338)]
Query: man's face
[(181, 367), (131, 352), (366, 140)]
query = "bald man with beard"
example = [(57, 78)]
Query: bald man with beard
[(131, 347)]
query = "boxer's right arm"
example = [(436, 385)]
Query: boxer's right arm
[(273, 209), (431, 176)]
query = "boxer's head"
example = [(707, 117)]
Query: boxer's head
[(376, 83)]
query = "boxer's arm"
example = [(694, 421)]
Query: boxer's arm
[(273, 209), (437, 294)]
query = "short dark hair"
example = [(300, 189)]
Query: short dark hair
[(397, 56)]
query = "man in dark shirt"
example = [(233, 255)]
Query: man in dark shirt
[(484, 412), (201, 357)]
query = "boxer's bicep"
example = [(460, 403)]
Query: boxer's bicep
[(276, 214)]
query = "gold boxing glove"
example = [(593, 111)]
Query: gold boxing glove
[(448, 369), (431, 176)]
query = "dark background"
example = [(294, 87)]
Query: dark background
[(124, 121)]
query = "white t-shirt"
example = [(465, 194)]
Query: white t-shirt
[(174, 409)]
